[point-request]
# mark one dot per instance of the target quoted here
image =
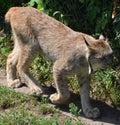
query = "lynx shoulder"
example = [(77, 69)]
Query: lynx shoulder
[(71, 52)]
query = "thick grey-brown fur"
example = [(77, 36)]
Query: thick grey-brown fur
[(73, 53)]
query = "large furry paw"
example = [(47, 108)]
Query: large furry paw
[(37, 93), (15, 83), (92, 113), (56, 99)]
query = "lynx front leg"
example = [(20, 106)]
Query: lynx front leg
[(62, 90), (88, 110)]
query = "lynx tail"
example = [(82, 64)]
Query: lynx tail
[(9, 14)]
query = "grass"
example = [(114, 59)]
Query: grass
[(21, 117), (106, 86), (20, 109), (10, 98)]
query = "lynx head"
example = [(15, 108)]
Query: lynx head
[(100, 53)]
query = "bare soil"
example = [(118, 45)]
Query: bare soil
[(109, 115)]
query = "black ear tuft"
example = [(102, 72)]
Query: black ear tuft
[(86, 41)]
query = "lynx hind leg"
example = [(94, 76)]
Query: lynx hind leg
[(12, 60), (25, 59), (63, 93), (88, 110)]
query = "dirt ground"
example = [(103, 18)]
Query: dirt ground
[(109, 115)]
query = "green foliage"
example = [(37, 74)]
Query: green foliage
[(68, 121), (73, 84), (74, 109), (108, 82), (40, 5), (5, 45), (44, 101), (10, 98), (41, 69), (23, 118), (5, 48)]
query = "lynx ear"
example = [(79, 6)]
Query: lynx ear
[(101, 37)]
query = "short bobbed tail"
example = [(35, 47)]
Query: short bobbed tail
[(9, 13)]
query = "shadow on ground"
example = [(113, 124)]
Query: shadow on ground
[(109, 115)]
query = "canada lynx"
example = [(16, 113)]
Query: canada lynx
[(72, 53)]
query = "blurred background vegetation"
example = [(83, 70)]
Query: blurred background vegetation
[(89, 16)]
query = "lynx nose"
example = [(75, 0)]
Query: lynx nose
[(108, 60)]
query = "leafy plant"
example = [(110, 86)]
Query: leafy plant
[(68, 121), (41, 69), (108, 82), (74, 109), (5, 48), (39, 3), (73, 84)]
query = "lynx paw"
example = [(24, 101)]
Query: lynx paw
[(92, 113), (14, 84), (37, 93), (56, 99)]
